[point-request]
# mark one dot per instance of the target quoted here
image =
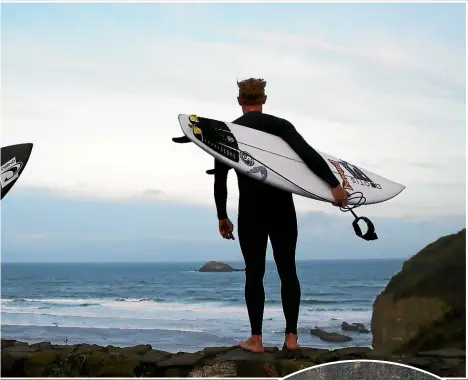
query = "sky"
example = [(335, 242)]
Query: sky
[(97, 88)]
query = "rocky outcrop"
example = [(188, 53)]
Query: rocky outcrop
[(423, 307), (330, 337), (44, 359), (216, 266), (355, 327)]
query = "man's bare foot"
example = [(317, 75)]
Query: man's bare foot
[(290, 342), (253, 344)]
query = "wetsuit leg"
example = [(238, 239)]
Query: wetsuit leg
[(283, 238), (253, 240)]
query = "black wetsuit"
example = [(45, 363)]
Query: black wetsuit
[(266, 211)]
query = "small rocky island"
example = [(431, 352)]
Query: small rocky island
[(216, 266)]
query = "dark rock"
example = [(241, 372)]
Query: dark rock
[(149, 363), (239, 354), (312, 354), (136, 350), (256, 368), (356, 327), (444, 353), (304, 353), (44, 357), (348, 353), (287, 367), (19, 351), (95, 361), (330, 337), (216, 266), (154, 356), (8, 343), (214, 351), (355, 352), (102, 364), (421, 363), (217, 370), (84, 348), (70, 365), (42, 346), (7, 364), (182, 359), (67, 347), (423, 307)]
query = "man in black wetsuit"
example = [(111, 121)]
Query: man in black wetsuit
[(266, 211)]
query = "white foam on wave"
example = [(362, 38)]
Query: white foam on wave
[(103, 327), (146, 314), (138, 304), (90, 315)]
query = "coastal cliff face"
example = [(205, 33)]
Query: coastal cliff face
[(423, 307)]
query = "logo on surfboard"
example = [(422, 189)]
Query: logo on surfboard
[(247, 158), (355, 175), (10, 172), (260, 169)]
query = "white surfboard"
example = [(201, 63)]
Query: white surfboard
[(270, 159)]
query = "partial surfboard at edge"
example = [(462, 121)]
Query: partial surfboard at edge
[(13, 161)]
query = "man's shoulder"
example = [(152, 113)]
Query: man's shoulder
[(265, 118), (282, 125)]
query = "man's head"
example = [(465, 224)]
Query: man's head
[(251, 94)]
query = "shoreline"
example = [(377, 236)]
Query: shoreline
[(171, 340), (43, 359)]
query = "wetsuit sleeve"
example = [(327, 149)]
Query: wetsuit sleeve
[(309, 155), (220, 188)]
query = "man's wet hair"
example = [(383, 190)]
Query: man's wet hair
[(252, 90)]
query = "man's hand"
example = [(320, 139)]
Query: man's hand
[(340, 195), (226, 228)]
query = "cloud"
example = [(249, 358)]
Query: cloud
[(101, 110), (98, 231)]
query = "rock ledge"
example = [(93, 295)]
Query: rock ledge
[(20, 359)]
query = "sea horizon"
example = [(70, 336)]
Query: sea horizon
[(200, 261)]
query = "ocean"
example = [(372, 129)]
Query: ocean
[(175, 308)]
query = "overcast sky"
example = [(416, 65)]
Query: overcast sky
[(98, 87)]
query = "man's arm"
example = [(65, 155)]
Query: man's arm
[(220, 188), (309, 155)]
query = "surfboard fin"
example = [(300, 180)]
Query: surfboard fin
[(181, 140)]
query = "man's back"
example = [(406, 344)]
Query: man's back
[(285, 130), (264, 122), (253, 189)]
